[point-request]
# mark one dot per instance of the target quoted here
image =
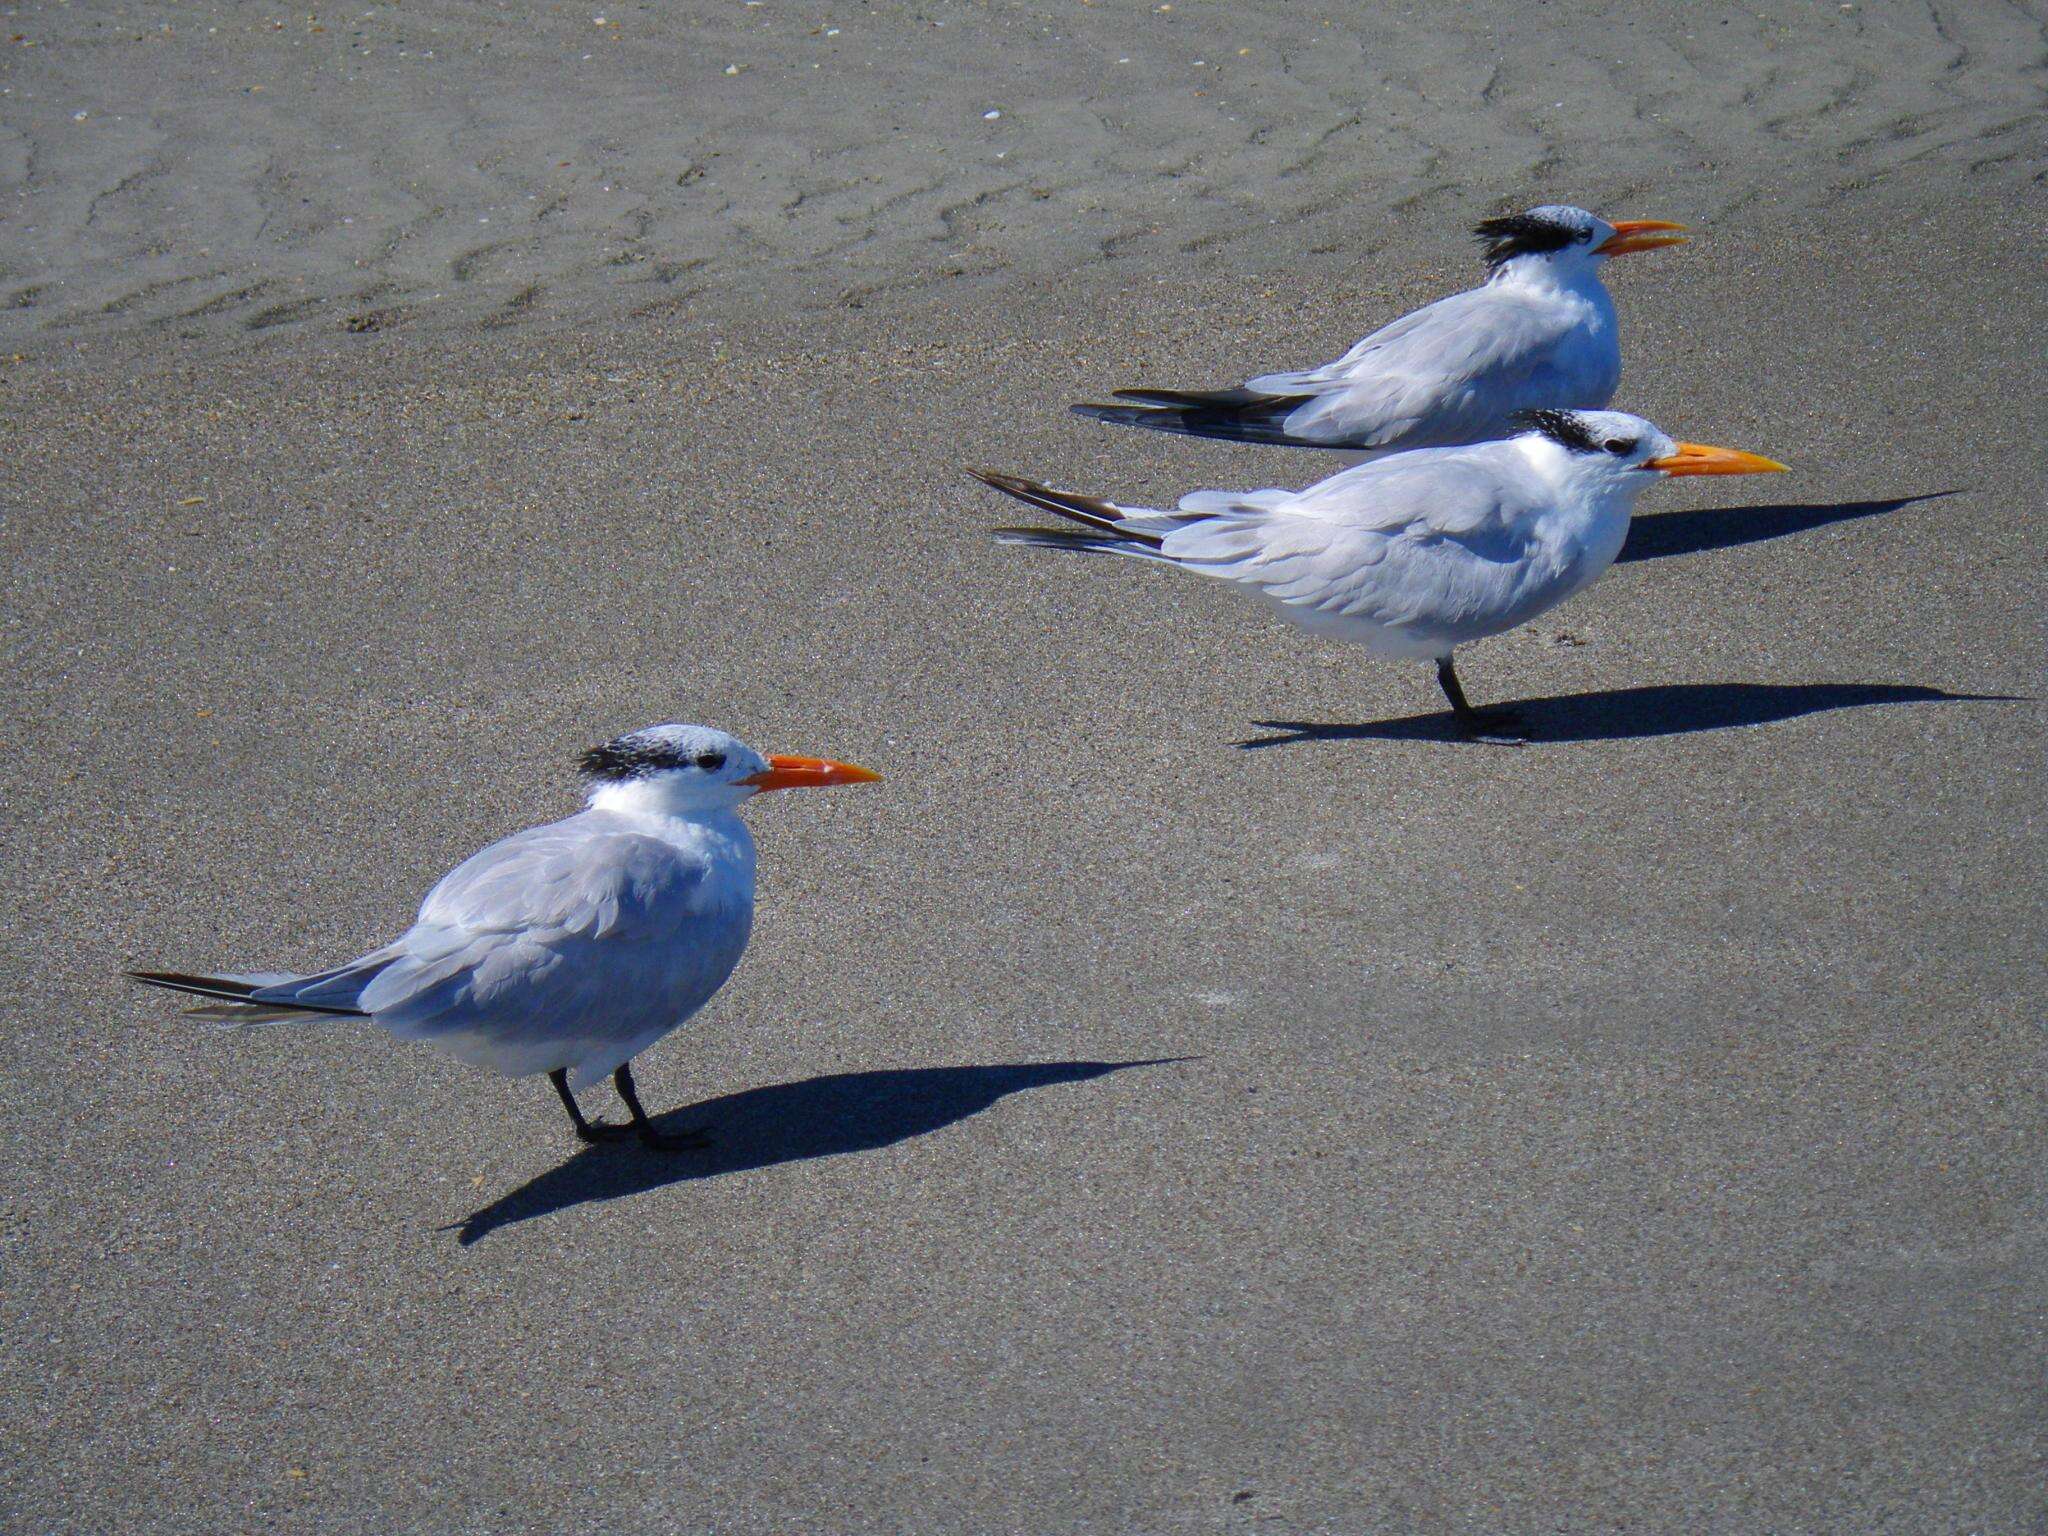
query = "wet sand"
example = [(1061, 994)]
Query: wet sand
[(1191, 1093), (226, 172)]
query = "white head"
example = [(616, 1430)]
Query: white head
[(693, 770), (1560, 242), (1614, 451)]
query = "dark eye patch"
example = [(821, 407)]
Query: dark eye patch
[(711, 762), (1620, 447)]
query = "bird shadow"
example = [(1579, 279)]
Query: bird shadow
[(783, 1123), (1689, 533), (1675, 709)]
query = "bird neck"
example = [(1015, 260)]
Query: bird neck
[(661, 798), (712, 833), (1550, 275)]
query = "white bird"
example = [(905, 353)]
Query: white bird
[(1414, 554), (1538, 334), (568, 948)]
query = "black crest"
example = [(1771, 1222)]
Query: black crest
[(1560, 427), (631, 757), (1524, 234)]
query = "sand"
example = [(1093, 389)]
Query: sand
[(216, 170), (1191, 1093)]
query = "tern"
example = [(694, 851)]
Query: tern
[(567, 948), (1538, 334), (1414, 554)]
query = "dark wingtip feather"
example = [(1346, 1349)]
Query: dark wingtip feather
[(1073, 542), (1059, 538), (1092, 511), (1118, 415), (1013, 484), (226, 989), (1202, 399), (1228, 415), (200, 986)]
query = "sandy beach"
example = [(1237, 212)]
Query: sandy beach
[(1193, 1093)]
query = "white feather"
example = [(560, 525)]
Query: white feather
[(573, 945)]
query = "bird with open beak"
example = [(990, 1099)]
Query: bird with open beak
[(569, 948), (1414, 554), (1538, 334)]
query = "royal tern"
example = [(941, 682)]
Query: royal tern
[(1417, 553), (568, 948), (1538, 334)]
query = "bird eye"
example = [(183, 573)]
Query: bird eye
[(1618, 446), (711, 762)]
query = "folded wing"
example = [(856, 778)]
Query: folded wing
[(1431, 536), (1451, 372), (558, 947)]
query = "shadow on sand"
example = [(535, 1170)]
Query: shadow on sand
[(785, 1123), (1689, 533), (1618, 714)]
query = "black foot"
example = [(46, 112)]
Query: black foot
[(1494, 726), (692, 1140), (589, 1132)]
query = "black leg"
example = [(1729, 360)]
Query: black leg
[(664, 1141), (1447, 679), (586, 1130), (1479, 724)]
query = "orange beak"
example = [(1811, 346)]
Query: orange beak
[(1703, 459), (807, 772), (1640, 235)]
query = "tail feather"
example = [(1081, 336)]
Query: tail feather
[(253, 1013), (236, 997), (1212, 399), (1105, 517), (1233, 415), (1076, 543)]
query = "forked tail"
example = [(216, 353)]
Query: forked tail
[(1112, 530)]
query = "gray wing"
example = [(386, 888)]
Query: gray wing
[(1461, 311), (569, 945), (1451, 372), (1460, 491), (1436, 532)]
